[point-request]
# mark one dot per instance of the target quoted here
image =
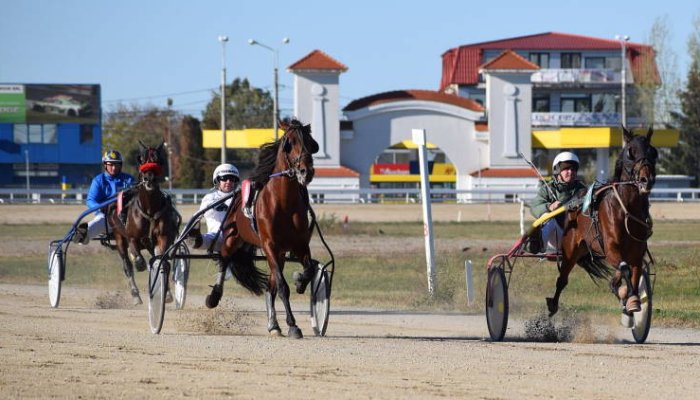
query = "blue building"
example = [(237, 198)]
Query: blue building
[(51, 133)]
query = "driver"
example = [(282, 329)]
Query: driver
[(103, 186), (563, 187), (226, 179)]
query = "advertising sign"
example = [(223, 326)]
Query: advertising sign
[(49, 104)]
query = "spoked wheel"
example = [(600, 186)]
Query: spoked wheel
[(642, 318), (55, 272), (320, 300), (181, 273), (157, 289), (497, 302)]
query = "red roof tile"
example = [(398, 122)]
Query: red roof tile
[(335, 172), (460, 65), (318, 60), (510, 60), (406, 95), (505, 173)]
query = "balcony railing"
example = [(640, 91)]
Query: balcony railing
[(575, 119), (578, 76)]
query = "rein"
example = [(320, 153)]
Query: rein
[(613, 186)]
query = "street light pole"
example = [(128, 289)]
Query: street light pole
[(170, 146), (275, 81), (223, 40), (623, 76)]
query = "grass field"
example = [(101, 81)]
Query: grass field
[(383, 265)]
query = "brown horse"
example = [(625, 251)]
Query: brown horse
[(152, 221), (615, 230), (281, 224)]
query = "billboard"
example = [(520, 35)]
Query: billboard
[(49, 104)]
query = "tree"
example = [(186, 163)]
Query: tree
[(663, 99), (686, 158), (246, 107), (191, 166)]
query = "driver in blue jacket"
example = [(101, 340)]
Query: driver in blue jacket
[(103, 186)]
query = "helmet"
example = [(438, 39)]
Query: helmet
[(224, 169), (112, 156), (565, 156)]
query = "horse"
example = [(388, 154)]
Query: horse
[(281, 224), (610, 240), (151, 220)]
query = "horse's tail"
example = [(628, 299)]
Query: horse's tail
[(243, 268), (596, 267)]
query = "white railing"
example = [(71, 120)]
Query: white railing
[(327, 195), (566, 75)]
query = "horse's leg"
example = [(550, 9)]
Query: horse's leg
[(217, 290), (276, 262), (272, 326), (135, 255), (562, 281), (301, 280), (128, 270), (633, 303)]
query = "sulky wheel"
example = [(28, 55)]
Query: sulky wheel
[(642, 318), (497, 302), (157, 289), (55, 272), (181, 273), (320, 300)]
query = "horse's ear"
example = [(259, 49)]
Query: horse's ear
[(309, 141), (650, 132), (283, 124), (142, 145), (627, 135)]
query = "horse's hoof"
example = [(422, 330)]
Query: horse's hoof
[(295, 332), (213, 298), (277, 332), (136, 300), (168, 297), (633, 304), (626, 320), (299, 282), (552, 306), (140, 264)]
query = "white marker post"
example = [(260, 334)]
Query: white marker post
[(419, 139)]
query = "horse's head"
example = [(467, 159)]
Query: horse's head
[(150, 165), (296, 147), (637, 160)]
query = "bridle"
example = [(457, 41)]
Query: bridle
[(294, 165)]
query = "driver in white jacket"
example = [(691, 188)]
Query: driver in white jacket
[(226, 180)]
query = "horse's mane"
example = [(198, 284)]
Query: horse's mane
[(266, 162)]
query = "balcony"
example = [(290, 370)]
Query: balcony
[(575, 119), (564, 77)]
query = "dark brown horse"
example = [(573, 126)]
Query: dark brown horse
[(613, 233), (152, 221), (282, 224)]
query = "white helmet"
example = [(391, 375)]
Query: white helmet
[(223, 170), (564, 156)]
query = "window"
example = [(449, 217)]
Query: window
[(541, 59), (595, 62), (540, 103), (86, 135), (604, 103), (20, 134), (50, 135), (571, 60), (576, 103), (613, 63)]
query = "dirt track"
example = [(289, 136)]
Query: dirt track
[(96, 346), (82, 351)]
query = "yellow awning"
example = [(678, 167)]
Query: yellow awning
[(597, 137), (239, 138), (409, 144)]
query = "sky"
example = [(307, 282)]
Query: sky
[(146, 51)]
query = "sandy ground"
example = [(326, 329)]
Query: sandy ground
[(81, 350), (96, 346)]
